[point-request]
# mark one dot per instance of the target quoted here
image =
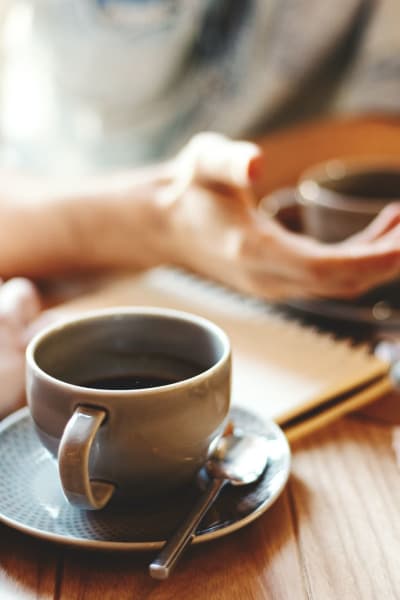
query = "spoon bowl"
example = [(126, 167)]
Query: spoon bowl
[(240, 459)]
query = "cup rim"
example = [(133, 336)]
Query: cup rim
[(340, 166), (120, 311)]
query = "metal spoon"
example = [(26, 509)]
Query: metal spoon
[(240, 459)]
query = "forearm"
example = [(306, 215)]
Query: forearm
[(104, 222)]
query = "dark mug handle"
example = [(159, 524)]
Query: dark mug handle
[(283, 206)]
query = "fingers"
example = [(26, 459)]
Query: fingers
[(390, 239), (386, 220), (273, 288), (334, 273), (19, 301), (214, 157), (19, 304), (370, 258), (319, 270)]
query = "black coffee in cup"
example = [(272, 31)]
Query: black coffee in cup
[(129, 381), (376, 183), (156, 371)]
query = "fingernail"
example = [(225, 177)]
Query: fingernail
[(255, 168)]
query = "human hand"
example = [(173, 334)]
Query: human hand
[(19, 305), (215, 229)]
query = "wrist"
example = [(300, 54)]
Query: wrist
[(121, 220)]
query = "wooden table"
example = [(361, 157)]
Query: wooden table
[(333, 534)]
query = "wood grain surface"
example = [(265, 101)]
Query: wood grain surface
[(335, 531)]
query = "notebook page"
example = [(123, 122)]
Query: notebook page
[(280, 368)]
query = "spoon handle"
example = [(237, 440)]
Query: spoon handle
[(163, 564)]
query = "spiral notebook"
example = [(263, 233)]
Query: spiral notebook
[(283, 370)]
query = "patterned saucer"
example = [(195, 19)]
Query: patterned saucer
[(32, 501)]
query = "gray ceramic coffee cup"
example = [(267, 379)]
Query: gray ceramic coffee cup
[(128, 443)]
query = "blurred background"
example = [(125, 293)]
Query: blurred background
[(91, 84)]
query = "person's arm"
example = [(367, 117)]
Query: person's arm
[(110, 221), (196, 211), (101, 222)]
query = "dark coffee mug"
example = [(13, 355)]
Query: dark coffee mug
[(338, 198)]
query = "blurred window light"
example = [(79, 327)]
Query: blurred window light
[(17, 25), (26, 94)]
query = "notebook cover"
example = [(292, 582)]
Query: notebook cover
[(298, 376)]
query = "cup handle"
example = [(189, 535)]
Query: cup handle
[(73, 460)]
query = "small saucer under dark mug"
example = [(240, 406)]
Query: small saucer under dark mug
[(379, 308), (32, 501)]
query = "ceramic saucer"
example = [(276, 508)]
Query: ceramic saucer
[(32, 501), (379, 308)]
